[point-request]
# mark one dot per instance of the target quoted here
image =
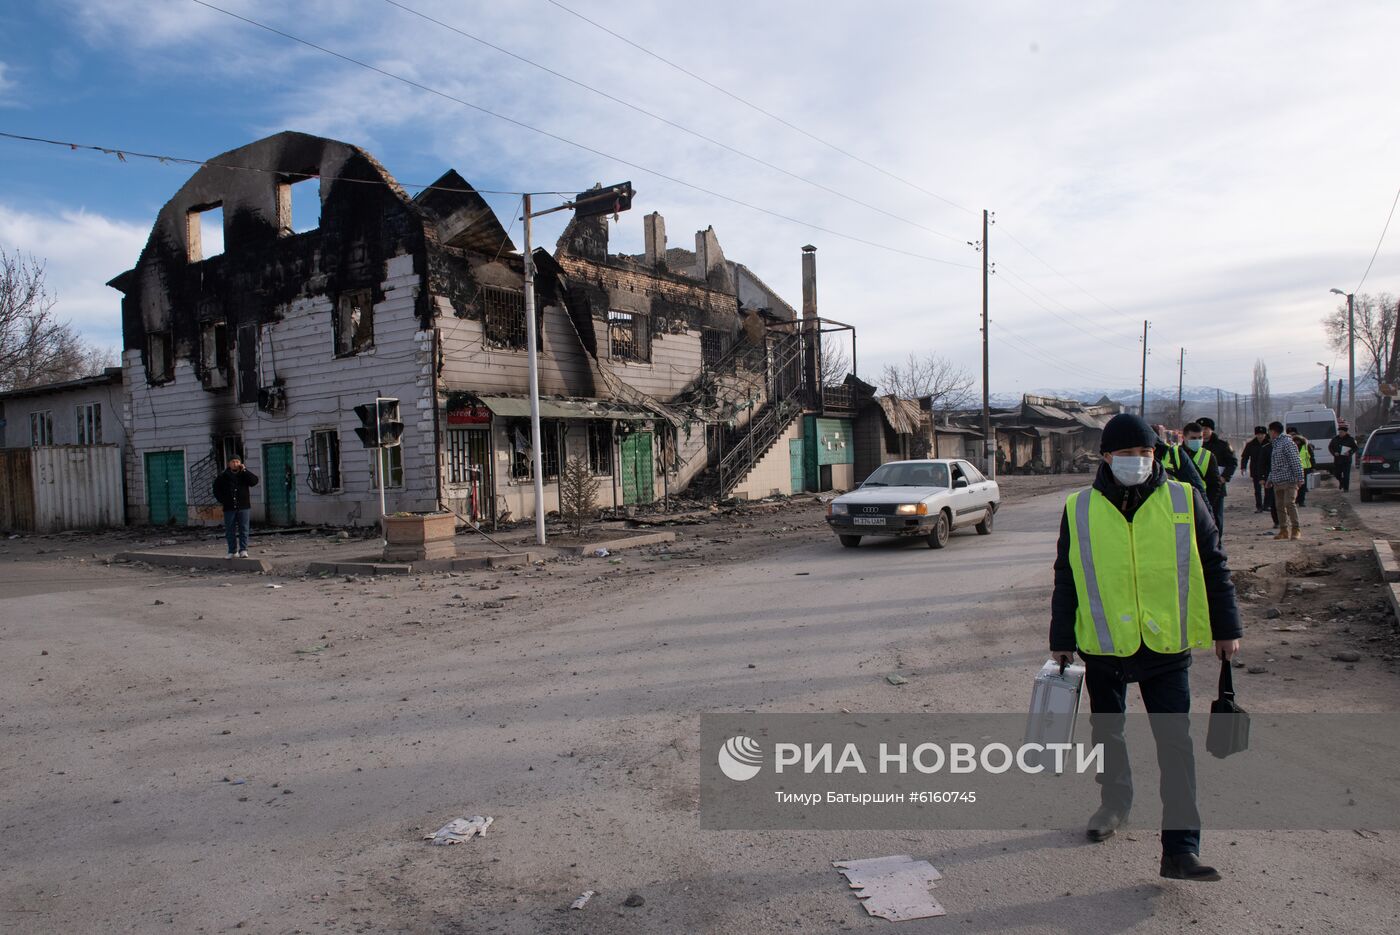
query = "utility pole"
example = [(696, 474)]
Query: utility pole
[(1219, 406), (1351, 355), (597, 201), (1180, 374), (989, 445), (1142, 393)]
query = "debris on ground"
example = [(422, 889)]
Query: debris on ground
[(582, 901), (601, 552), (894, 678), (634, 900), (460, 830), (310, 650), (894, 887)]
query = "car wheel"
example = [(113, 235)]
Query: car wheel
[(1365, 494), (984, 528), (941, 527), (849, 542)]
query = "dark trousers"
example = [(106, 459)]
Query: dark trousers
[(1342, 468), (1303, 489), (237, 524), (1259, 494), (1217, 506), (1168, 697)]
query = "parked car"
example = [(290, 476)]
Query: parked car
[(1380, 463), (928, 499)]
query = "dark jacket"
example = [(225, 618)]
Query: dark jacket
[(1220, 591), (1224, 456), (1255, 458), (1185, 471), (1343, 443), (231, 489)]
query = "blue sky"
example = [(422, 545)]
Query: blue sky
[(1215, 168)]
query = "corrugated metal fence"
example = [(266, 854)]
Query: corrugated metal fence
[(58, 487)]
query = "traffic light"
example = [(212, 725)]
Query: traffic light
[(611, 200), (379, 423)]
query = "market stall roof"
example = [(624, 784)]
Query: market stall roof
[(519, 406)]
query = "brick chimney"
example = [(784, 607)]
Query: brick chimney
[(809, 281), (654, 229)]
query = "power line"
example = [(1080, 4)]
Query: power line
[(767, 113), (123, 154), (674, 125), (1046, 264), (574, 143), (1029, 349), (1051, 311), (1377, 251)]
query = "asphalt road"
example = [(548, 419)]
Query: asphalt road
[(573, 720)]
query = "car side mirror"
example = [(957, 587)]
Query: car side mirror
[(960, 482)]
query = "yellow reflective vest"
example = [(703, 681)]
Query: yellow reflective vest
[(1138, 583), (1305, 456), (1201, 458)]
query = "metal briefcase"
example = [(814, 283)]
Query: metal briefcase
[(1054, 707)]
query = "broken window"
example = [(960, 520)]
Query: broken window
[(354, 322), (551, 438), (160, 357), (323, 461), (711, 347), (600, 442), (627, 337), (213, 354), (503, 317), (520, 464), (89, 419), (228, 447), (249, 377), (391, 463), (41, 428), (205, 231), (298, 203)]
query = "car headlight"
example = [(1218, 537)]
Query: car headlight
[(837, 509), (912, 509)]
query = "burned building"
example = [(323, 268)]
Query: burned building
[(291, 279)]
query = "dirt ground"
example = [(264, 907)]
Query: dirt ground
[(211, 751)]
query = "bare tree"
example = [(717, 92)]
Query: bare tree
[(835, 363), (35, 347), (1376, 317), (1261, 393), (930, 376)]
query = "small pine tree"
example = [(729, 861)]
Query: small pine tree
[(578, 494)]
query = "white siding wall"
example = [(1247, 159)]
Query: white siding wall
[(773, 472), (77, 487), (65, 425), (322, 391)]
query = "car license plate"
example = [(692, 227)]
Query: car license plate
[(869, 520)]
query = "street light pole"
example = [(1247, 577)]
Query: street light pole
[(1351, 354), (989, 445)]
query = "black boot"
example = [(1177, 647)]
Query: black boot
[(1187, 867), (1103, 823)]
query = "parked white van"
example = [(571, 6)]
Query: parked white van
[(1317, 424)]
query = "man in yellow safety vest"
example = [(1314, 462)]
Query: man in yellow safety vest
[(1140, 581)]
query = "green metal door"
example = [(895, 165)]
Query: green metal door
[(637, 468), (797, 464), (279, 483), (165, 488)]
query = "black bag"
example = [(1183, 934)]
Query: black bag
[(1229, 723)]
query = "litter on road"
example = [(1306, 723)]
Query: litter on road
[(895, 678), (459, 830), (894, 887), (582, 901)]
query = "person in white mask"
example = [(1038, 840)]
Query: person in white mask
[(1133, 596)]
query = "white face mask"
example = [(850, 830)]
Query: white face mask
[(1130, 470)]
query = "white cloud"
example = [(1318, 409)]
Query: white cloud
[(7, 84), (82, 251), (1215, 169)]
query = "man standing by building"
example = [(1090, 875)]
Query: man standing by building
[(1134, 598), (1254, 458), (1285, 477), (231, 490), (1343, 449)]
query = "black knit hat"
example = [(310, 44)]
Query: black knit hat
[(1127, 431), (1206, 423)]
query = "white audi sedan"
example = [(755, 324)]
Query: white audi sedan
[(928, 499)]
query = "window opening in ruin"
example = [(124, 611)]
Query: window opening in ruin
[(600, 443), (205, 232), (503, 317), (354, 322), (298, 203), (323, 461), (160, 360), (627, 337)]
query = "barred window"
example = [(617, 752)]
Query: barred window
[(503, 317), (520, 463), (550, 439), (323, 474), (711, 347), (600, 436), (627, 337)]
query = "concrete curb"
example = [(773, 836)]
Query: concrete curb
[(1385, 557), (462, 563), (213, 562), (1392, 594), (617, 545)]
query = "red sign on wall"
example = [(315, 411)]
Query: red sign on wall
[(469, 415)]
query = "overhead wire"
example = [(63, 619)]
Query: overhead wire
[(1027, 348), (1099, 336), (677, 126), (1377, 251), (657, 173), (1046, 263), (752, 106)]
